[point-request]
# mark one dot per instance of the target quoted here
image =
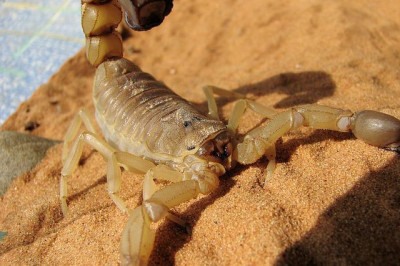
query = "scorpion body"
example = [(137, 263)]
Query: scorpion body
[(145, 123), (153, 122)]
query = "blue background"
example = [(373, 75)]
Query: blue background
[(36, 37)]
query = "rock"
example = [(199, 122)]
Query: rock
[(19, 153), (2, 235)]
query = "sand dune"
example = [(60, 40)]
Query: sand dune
[(332, 199)]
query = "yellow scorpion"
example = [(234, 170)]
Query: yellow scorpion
[(151, 130)]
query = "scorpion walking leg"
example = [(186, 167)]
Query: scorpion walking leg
[(70, 136), (209, 91), (270, 153), (133, 163), (372, 127), (114, 158), (129, 162), (137, 238), (73, 130), (239, 108)]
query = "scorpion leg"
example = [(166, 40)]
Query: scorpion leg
[(239, 108), (70, 136), (73, 130), (133, 163), (137, 238), (209, 91), (114, 158), (72, 159), (372, 127), (270, 153), (241, 105)]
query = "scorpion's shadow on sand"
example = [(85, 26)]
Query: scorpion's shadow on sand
[(170, 238), (360, 228), (299, 88)]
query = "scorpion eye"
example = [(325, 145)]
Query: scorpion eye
[(187, 123), (191, 148)]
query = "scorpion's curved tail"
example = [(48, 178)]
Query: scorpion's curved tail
[(100, 19)]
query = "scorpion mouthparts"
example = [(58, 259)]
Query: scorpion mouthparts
[(395, 149)]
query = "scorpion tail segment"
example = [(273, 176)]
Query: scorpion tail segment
[(99, 21), (144, 15), (377, 129), (137, 239)]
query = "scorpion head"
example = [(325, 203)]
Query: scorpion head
[(218, 149), (211, 160), (145, 14)]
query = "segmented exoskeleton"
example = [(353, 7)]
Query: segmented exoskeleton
[(145, 124), (153, 121), (101, 17)]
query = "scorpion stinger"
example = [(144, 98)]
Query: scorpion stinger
[(145, 14), (149, 129)]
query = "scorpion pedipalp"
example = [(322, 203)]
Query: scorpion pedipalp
[(137, 239), (377, 129), (372, 127)]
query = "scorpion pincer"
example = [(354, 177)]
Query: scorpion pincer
[(151, 130)]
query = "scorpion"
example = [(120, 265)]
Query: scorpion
[(149, 129)]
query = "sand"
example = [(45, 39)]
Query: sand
[(332, 200)]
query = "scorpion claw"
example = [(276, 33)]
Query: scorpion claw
[(377, 129), (137, 239)]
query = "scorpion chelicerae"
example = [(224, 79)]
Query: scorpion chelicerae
[(151, 130)]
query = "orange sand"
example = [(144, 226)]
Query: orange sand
[(333, 199)]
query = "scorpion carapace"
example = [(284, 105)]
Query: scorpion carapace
[(151, 130)]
